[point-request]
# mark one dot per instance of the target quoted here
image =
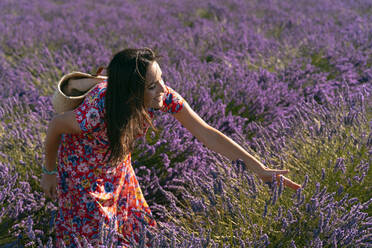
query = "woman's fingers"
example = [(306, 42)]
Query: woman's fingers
[(289, 183), (47, 193), (53, 194), (280, 171), (268, 175), (49, 188), (286, 181)]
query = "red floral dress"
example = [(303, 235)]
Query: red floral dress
[(88, 189)]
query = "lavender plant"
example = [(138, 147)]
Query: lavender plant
[(229, 203), (288, 80)]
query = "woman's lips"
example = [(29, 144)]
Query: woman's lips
[(159, 97)]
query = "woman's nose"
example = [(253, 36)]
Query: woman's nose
[(161, 87)]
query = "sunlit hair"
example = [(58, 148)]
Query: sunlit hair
[(124, 104)]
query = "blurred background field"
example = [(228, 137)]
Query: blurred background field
[(291, 81)]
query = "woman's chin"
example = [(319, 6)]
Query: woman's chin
[(157, 105)]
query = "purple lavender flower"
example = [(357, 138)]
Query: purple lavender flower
[(265, 210), (340, 165), (198, 205), (244, 80), (323, 174)]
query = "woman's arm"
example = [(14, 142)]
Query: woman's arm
[(220, 143), (62, 123)]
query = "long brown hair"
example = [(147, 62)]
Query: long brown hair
[(124, 100)]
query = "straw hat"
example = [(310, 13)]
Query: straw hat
[(72, 88)]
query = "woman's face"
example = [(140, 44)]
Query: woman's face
[(154, 88)]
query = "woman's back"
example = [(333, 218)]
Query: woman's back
[(89, 188)]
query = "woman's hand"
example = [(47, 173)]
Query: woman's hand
[(49, 185), (267, 174)]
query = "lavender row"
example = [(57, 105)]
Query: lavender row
[(225, 204), (248, 69)]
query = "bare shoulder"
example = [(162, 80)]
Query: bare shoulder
[(66, 123)]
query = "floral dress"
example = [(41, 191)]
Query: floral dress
[(88, 189)]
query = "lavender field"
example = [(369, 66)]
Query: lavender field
[(290, 81)]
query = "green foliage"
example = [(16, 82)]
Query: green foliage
[(319, 60), (205, 14), (306, 152)]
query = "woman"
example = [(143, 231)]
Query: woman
[(94, 142)]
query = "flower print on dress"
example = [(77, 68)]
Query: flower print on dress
[(81, 212), (84, 125), (64, 185), (73, 159), (85, 183), (109, 188), (123, 202), (87, 149), (90, 206), (83, 167), (93, 117), (101, 104), (61, 215), (97, 171), (87, 229), (94, 186), (87, 196), (172, 101), (168, 99), (90, 113), (77, 220), (177, 107)]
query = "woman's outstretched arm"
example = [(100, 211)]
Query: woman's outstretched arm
[(220, 143)]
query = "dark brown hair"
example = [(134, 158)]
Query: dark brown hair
[(124, 103)]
